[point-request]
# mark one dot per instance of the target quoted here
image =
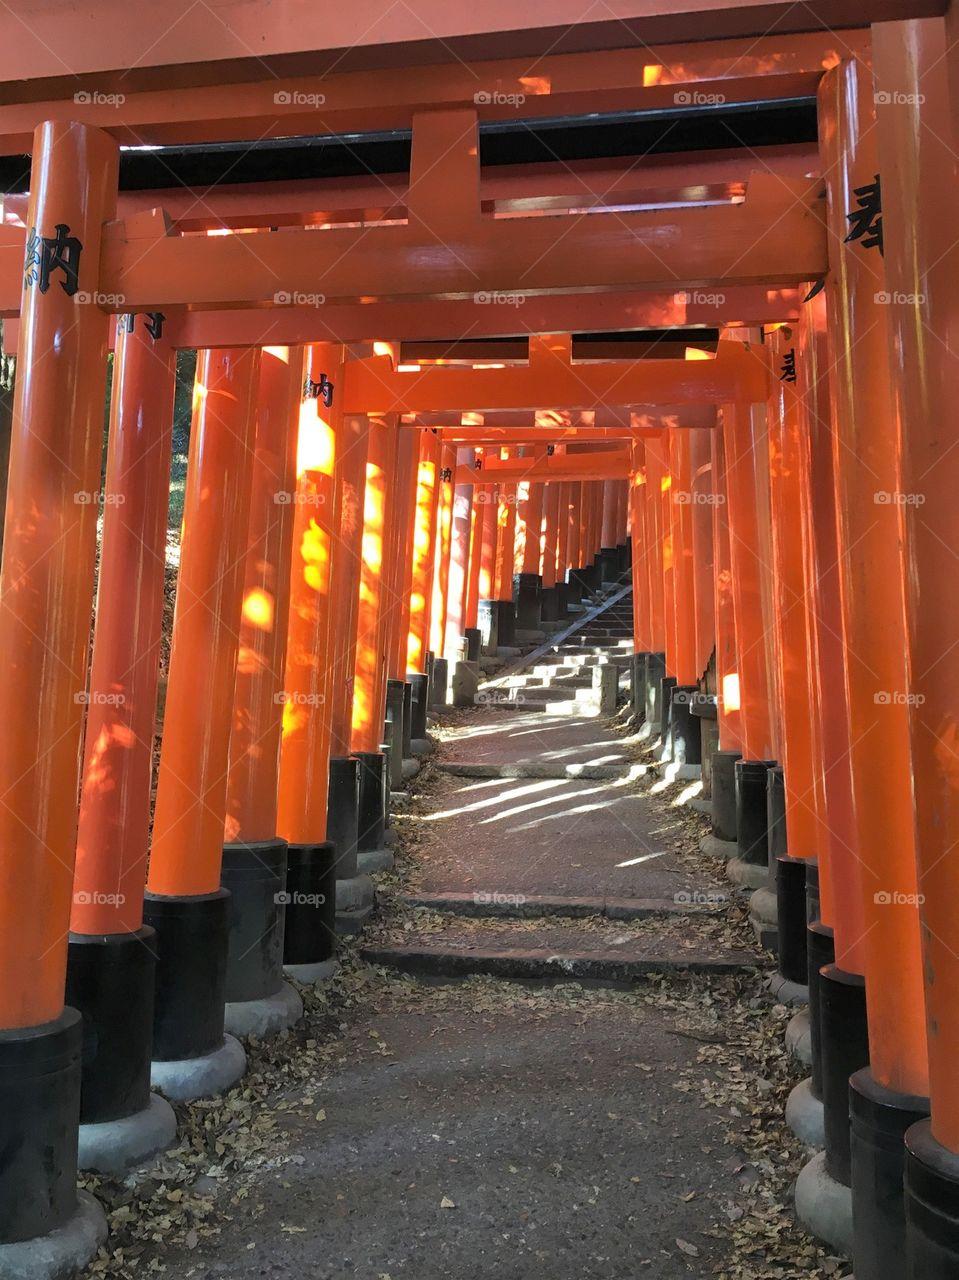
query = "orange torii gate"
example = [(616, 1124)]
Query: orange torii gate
[(767, 235)]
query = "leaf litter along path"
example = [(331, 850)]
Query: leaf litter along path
[(489, 1128)]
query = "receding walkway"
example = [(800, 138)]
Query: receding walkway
[(441, 1113)]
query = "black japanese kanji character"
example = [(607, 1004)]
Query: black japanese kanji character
[(46, 254), (788, 371), (866, 221)]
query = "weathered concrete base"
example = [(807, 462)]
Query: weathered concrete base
[(787, 992), (701, 804), (371, 860), (824, 1206), (465, 684), (681, 772), (764, 916), (187, 1079), (354, 894), (799, 1038), (411, 768), (265, 1017), (748, 875), (422, 747), (321, 971), (399, 800), (351, 923), (713, 847), (529, 637), (804, 1115), (116, 1145), (61, 1254)]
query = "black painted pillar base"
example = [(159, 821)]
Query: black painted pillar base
[(637, 685), (655, 674), (751, 815), (666, 687), (526, 598), (575, 585), (562, 601), (548, 605), (723, 789), (487, 620), (609, 564), (395, 690), (845, 1050), (192, 943), (407, 719), (685, 740), (791, 919), (472, 639), (505, 624), (419, 698), (879, 1119), (110, 982), (310, 933), (255, 876), (372, 800), (932, 1207), (820, 953), (40, 1071), (342, 813)]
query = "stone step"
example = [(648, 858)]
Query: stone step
[(534, 906), (545, 769)]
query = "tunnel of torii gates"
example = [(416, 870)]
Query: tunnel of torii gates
[(370, 506)]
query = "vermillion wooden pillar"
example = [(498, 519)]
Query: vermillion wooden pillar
[(622, 511), (683, 572), (424, 547), (441, 571), (638, 492), (562, 532), (305, 747), (49, 549), (744, 551), (114, 820), (185, 903), (506, 541), (369, 687), (258, 710), (836, 841), (349, 480), (704, 570), (191, 788), (917, 144), (668, 533), (478, 513), (574, 555), (459, 558), (551, 497), (655, 478), (785, 444), (488, 543), (46, 592), (531, 514), (401, 545), (727, 658), (610, 527), (872, 575)]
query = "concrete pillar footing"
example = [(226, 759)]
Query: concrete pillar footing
[(786, 991), (113, 1146), (354, 894), (805, 1116), (422, 747), (187, 1079), (713, 847), (63, 1252), (824, 1206), (411, 767), (799, 1037), (265, 1017), (374, 860), (320, 971), (748, 875), (674, 772)]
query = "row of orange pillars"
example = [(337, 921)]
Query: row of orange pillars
[(333, 578), (826, 560)]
